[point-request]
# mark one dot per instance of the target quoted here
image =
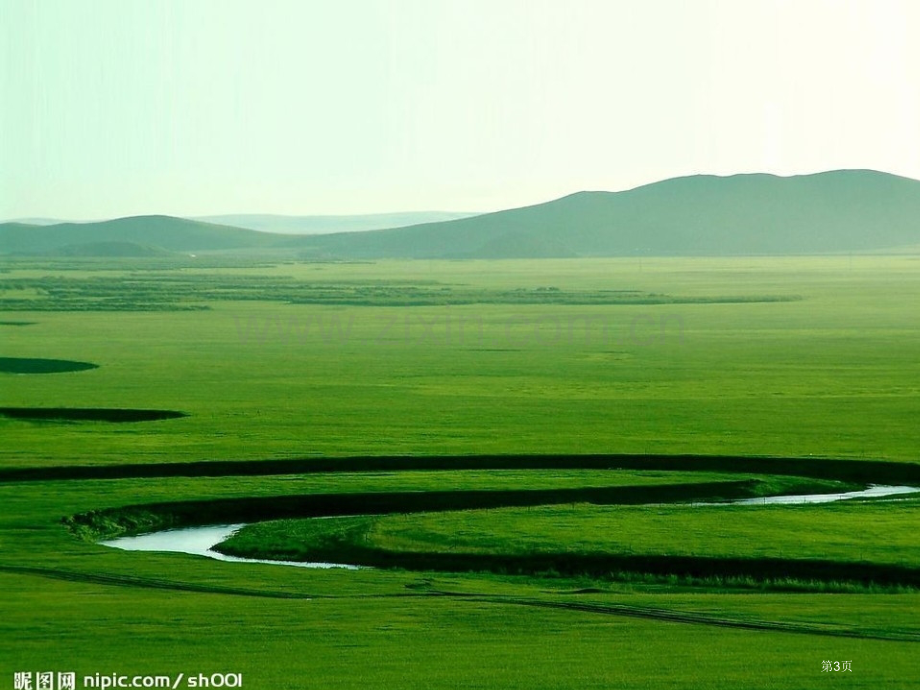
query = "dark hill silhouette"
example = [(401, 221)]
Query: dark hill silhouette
[(165, 232), (841, 211), (832, 212)]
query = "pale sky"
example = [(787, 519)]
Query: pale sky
[(191, 107)]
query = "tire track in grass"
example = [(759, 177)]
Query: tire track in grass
[(150, 583), (153, 583), (623, 610), (675, 616)]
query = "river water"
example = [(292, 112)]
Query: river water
[(874, 491), (200, 541)]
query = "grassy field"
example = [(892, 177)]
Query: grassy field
[(834, 374), (757, 546), (804, 358), (886, 530)]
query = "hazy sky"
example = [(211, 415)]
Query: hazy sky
[(124, 107)]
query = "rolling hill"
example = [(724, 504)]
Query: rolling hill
[(840, 211), (832, 212), (153, 233)]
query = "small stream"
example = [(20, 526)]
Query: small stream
[(874, 491), (200, 541)]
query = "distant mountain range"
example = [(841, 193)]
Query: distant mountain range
[(832, 212), (42, 221)]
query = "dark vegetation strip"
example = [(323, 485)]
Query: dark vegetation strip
[(140, 291), (858, 471), (27, 365), (603, 565), (88, 414), (98, 524)]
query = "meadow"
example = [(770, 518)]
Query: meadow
[(771, 546), (585, 385)]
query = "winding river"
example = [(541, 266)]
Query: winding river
[(200, 541)]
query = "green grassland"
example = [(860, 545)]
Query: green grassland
[(774, 545), (834, 374), (804, 358), (886, 531)]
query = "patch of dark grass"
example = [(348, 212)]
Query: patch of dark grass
[(88, 414), (28, 365), (755, 583)]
